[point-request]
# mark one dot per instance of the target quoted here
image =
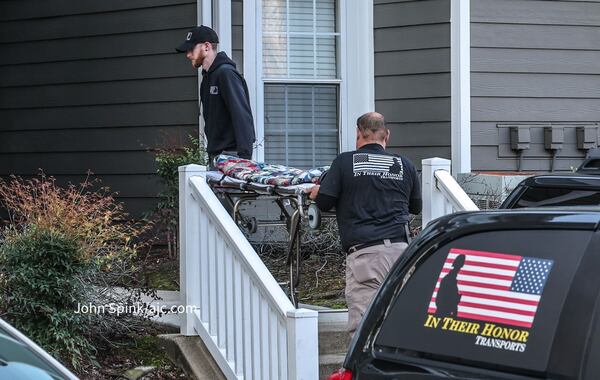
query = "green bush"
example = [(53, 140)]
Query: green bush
[(39, 272), (167, 162), (66, 246)]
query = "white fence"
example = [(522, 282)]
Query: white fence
[(239, 311), (442, 195)]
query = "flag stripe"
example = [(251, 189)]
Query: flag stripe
[(483, 285), (481, 274), (501, 298), (484, 269), (485, 254), (493, 319), (507, 304), (512, 268), (494, 314), (482, 260), (495, 308), (478, 309)]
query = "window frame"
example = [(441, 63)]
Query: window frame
[(356, 96)]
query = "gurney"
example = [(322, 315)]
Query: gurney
[(239, 181)]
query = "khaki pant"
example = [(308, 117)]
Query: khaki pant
[(365, 271)]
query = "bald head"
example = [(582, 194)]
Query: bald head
[(371, 127)]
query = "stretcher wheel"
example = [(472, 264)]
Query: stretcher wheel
[(314, 217), (251, 225)]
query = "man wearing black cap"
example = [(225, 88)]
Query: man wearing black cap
[(229, 127)]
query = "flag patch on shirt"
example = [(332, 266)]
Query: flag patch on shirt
[(377, 165)]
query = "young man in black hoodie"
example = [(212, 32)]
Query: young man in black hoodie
[(229, 127)]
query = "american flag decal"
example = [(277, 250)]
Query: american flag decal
[(492, 287), (366, 162)]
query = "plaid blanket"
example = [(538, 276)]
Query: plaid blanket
[(267, 174)]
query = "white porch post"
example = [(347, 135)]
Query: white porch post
[(222, 23), (189, 248), (303, 359), (434, 204), (460, 62), (357, 67)]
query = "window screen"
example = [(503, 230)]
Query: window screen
[(493, 298), (299, 39), (301, 124)]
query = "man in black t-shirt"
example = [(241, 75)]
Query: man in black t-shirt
[(373, 192)]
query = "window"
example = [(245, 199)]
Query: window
[(301, 82)]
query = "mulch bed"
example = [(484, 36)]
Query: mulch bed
[(135, 350)]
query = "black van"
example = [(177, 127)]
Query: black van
[(508, 294), (581, 188)]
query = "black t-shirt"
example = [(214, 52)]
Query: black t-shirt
[(373, 189)]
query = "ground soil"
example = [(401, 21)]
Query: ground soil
[(133, 351)]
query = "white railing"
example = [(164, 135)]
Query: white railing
[(442, 195), (233, 302)]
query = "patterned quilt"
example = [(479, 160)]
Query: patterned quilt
[(259, 172)]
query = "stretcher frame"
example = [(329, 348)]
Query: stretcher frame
[(235, 193)]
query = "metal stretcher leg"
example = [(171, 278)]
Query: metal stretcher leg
[(294, 256)]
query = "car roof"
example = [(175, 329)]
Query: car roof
[(567, 180)]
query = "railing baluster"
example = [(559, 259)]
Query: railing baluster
[(229, 312), (273, 344), (282, 351), (239, 316), (256, 362), (204, 249), (264, 338), (212, 281), (247, 324), (221, 322)]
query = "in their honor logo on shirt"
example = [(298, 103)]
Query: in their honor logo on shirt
[(380, 165), (214, 90)]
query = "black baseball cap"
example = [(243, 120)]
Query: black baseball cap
[(198, 35)]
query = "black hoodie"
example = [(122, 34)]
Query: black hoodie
[(226, 109)]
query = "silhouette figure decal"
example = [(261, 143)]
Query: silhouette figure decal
[(448, 296)]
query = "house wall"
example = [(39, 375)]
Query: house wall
[(95, 85), (412, 75), (532, 63)]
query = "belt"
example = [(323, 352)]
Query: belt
[(358, 247)]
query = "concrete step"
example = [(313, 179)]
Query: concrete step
[(333, 340), (191, 355), (328, 364)]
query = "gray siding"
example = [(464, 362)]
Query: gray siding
[(95, 85), (534, 63), (412, 75)]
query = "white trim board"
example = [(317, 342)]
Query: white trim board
[(460, 67)]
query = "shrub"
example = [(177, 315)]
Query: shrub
[(77, 245), (167, 162), (40, 271)]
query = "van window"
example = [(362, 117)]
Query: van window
[(545, 196), (493, 298)]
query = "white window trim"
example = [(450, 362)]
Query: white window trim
[(356, 65), (460, 66), (222, 26)]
